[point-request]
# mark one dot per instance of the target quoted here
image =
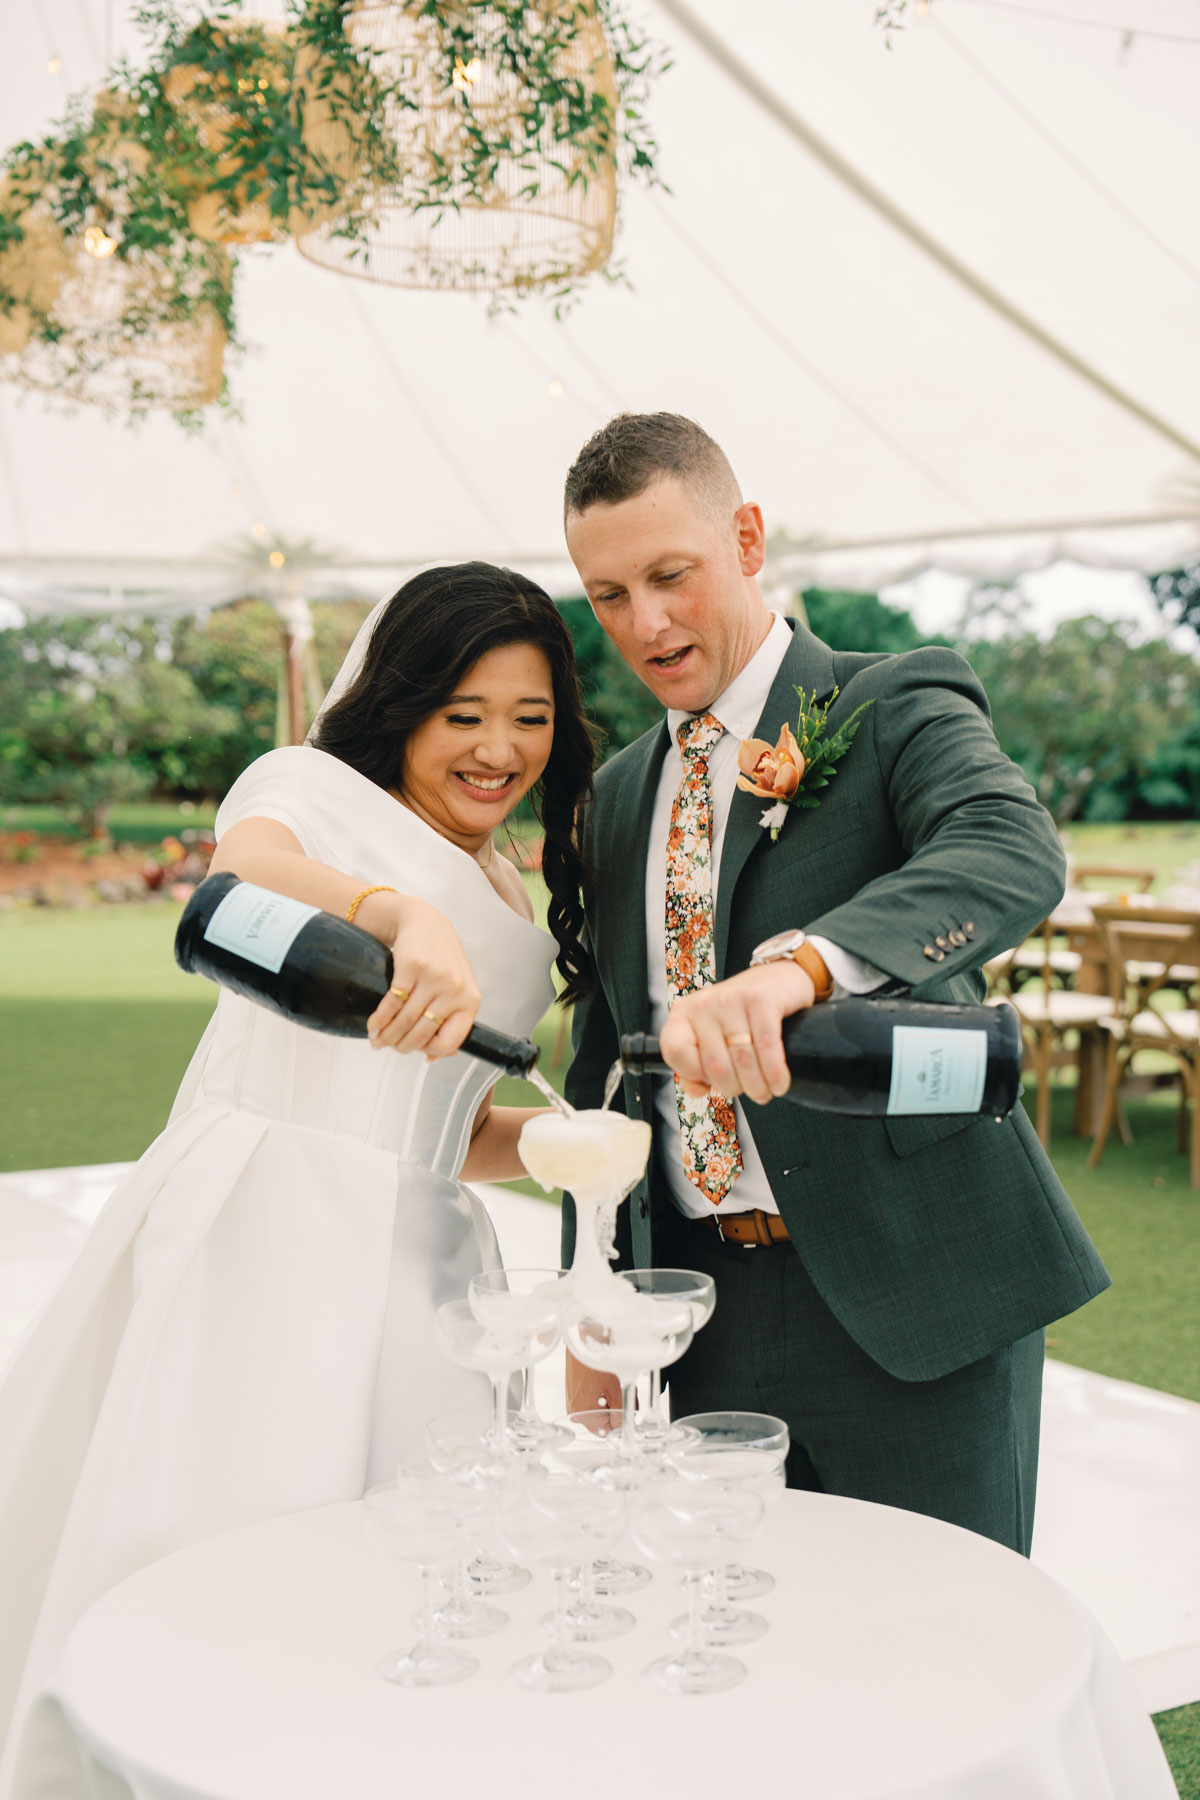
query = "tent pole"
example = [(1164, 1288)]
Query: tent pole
[(878, 201)]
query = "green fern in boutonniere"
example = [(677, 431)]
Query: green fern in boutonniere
[(791, 772)]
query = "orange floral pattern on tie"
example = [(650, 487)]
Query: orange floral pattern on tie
[(712, 1156)]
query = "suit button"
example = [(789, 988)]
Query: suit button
[(969, 929), (941, 943), (939, 956), (930, 952), (957, 938)]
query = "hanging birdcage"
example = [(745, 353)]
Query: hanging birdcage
[(503, 155), (224, 89), (130, 333), (257, 103), (34, 263)]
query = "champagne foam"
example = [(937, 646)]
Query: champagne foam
[(598, 1156)]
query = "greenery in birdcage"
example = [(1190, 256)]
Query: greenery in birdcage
[(231, 130)]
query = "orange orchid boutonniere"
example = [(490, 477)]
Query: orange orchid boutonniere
[(790, 772)]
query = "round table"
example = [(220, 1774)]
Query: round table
[(905, 1658)]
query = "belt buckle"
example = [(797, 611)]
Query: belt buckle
[(740, 1243)]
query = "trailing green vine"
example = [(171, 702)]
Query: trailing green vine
[(116, 228)]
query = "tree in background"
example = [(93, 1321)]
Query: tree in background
[(847, 620), (1089, 712), (621, 705), (85, 704), (99, 710), (1178, 594), (233, 658)]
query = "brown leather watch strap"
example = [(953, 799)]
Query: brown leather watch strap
[(816, 968)]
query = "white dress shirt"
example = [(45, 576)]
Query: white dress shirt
[(738, 709)]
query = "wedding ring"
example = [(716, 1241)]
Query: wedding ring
[(433, 1019), (400, 993), (740, 1042)]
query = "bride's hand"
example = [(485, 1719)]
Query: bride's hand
[(433, 999)]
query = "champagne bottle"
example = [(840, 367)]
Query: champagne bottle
[(313, 968), (889, 1057)]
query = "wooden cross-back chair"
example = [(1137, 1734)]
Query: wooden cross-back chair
[(1135, 1023), (1048, 1011), (1131, 881)]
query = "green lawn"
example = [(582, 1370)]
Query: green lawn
[(97, 1025), (138, 822), (1164, 845)]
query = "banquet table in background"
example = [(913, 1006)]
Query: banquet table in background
[(905, 1658)]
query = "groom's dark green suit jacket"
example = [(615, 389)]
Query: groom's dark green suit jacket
[(933, 1241)]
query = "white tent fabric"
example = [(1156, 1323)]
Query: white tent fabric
[(939, 304)]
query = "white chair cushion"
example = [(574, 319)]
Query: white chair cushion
[(1150, 971), (1150, 1026), (1062, 1010), (1063, 962)]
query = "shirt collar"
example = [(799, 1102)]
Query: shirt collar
[(739, 708)]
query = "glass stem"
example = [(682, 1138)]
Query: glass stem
[(562, 1600), (461, 1591), (500, 1412), (719, 1589), (425, 1626), (695, 1637), (655, 1408), (629, 1414), (526, 1392)]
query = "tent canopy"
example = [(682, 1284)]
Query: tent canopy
[(937, 302)]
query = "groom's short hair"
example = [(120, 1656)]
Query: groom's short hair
[(624, 457)]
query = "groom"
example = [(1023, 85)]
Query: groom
[(881, 1284)]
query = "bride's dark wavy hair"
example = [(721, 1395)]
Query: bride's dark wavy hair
[(435, 628)]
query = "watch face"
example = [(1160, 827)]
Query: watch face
[(782, 944)]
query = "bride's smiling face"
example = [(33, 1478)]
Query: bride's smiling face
[(468, 764)]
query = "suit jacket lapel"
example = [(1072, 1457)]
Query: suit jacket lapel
[(625, 892), (808, 665)]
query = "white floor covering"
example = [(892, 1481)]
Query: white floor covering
[(1119, 1490)]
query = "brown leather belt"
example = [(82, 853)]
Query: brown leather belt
[(751, 1228)]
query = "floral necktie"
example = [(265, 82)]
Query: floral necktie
[(712, 1157)]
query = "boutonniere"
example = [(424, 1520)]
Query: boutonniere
[(791, 772)]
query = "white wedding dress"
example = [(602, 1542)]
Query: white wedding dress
[(248, 1329)]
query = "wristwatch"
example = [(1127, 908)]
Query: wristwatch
[(793, 946)]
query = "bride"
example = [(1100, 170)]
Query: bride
[(248, 1329)]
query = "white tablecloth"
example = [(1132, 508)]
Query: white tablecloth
[(905, 1658)]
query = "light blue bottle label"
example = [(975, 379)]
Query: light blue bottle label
[(936, 1071), (259, 925)]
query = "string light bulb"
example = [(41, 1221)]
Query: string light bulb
[(277, 559), (923, 10), (97, 242), (258, 530), (54, 66), (556, 389)]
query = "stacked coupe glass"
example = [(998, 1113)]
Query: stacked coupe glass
[(488, 1499)]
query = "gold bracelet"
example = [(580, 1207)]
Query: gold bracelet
[(381, 887)]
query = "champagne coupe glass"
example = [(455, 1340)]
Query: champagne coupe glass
[(556, 1520), (527, 1334), (459, 1445), (634, 1336), (428, 1522), (463, 1613), (754, 1447), (589, 1453), (700, 1293), (593, 1454), (499, 1297), (688, 1524)]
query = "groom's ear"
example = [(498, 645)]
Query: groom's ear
[(751, 537)]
